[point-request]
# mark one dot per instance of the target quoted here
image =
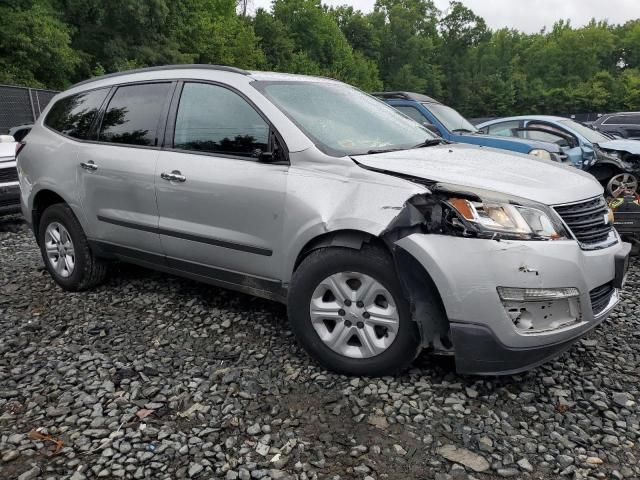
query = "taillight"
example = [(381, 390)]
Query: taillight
[(19, 147)]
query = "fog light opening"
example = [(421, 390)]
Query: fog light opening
[(541, 310)]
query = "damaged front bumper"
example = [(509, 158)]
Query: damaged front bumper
[(493, 335)]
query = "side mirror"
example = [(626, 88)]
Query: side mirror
[(262, 155), (7, 139), (572, 142)]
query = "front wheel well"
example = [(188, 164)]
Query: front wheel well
[(341, 238), (427, 307), (43, 200), (604, 172)]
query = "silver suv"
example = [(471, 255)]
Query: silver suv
[(381, 238)]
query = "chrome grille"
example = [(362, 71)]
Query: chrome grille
[(600, 297), (9, 174), (587, 220)]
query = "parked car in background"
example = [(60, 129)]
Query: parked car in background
[(450, 125), (614, 162), (380, 239), (9, 186), (18, 133), (623, 124)]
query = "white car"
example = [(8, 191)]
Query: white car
[(9, 186)]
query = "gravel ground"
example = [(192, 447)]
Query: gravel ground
[(151, 376)]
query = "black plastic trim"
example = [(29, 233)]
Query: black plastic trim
[(259, 286), (187, 236), (479, 352)]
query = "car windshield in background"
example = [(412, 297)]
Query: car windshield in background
[(451, 119), (591, 135), (342, 120)]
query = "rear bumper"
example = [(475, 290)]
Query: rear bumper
[(9, 198)]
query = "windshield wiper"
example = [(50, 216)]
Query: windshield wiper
[(383, 150), (430, 142), (462, 130)]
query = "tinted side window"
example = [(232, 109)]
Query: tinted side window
[(133, 114), (74, 115), (216, 120), (503, 129), (413, 113), (623, 120), (545, 137)]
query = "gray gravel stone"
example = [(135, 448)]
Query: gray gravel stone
[(81, 365)]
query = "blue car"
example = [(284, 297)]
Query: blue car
[(614, 162), (450, 125)]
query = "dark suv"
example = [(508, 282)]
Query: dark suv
[(624, 124)]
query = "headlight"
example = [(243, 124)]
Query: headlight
[(508, 220), (537, 152)]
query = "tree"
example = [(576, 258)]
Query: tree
[(408, 45), (312, 41), (35, 46), (400, 45)]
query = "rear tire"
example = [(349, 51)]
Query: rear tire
[(66, 252), (368, 328)]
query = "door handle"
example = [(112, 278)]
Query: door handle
[(90, 165), (174, 176)]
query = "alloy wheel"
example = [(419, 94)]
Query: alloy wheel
[(60, 250), (621, 184)]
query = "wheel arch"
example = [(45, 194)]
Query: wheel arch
[(348, 238), (42, 200), (427, 311)]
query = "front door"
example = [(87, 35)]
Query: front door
[(117, 173), (220, 207), (578, 156)]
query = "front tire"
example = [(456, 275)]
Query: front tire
[(66, 252), (347, 310)]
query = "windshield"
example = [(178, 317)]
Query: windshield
[(342, 120), (591, 135), (450, 118)]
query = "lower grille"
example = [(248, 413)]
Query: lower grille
[(587, 220), (9, 174), (600, 297)]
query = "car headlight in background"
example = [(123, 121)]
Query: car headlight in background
[(538, 152), (508, 220)]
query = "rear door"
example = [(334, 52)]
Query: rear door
[(117, 169), (221, 206)]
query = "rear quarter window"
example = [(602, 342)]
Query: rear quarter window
[(74, 115)]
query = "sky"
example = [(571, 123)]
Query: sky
[(527, 16)]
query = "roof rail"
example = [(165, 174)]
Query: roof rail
[(406, 96), (159, 68)]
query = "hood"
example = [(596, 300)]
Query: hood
[(521, 176), (508, 143), (622, 145)]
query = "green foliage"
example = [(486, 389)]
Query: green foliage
[(400, 45), (34, 46)]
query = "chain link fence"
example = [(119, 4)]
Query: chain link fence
[(21, 105)]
